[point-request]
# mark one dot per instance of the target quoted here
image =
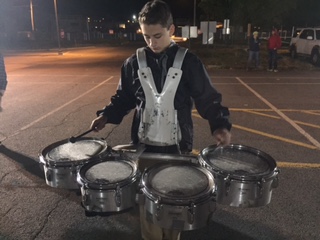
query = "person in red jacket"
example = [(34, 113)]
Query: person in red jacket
[(274, 43)]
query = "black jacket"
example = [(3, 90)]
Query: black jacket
[(254, 44), (195, 87)]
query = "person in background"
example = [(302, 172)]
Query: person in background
[(254, 50), (274, 43), (149, 86), (3, 79)]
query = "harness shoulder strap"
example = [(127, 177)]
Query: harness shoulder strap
[(141, 57), (178, 60)]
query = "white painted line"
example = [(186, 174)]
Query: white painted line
[(281, 114), (62, 106)]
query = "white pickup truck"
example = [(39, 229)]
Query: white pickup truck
[(306, 43)]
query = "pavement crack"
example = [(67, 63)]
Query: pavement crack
[(4, 176), (48, 216)]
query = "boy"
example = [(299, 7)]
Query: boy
[(162, 96)]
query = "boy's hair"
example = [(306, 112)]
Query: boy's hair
[(156, 12)]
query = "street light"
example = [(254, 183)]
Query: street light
[(57, 24)]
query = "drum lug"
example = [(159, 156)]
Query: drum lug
[(49, 175), (159, 208), (118, 196), (275, 182), (85, 199), (191, 212), (227, 184), (260, 187)]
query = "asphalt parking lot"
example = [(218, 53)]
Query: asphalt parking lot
[(51, 98)]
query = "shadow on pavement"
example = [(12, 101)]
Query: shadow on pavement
[(98, 234), (24, 161), (215, 231), (219, 231)]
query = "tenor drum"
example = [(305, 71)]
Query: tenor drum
[(244, 176), (108, 185), (177, 195), (62, 160)]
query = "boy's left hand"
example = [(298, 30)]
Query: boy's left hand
[(222, 136)]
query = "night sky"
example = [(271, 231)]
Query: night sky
[(101, 8), (119, 8), (15, 14)]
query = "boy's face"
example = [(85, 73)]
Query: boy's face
[(157, 37)]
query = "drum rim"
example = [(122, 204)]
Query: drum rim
[(254, 176), (83, 181), (156, 196), (53, 163)]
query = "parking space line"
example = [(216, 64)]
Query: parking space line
[(297, 165), (275, 137), (261, 114), (62, 106), (268, 135), (276, 117), (292, 123), (312, 112)]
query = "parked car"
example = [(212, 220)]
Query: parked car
[(306, 43)]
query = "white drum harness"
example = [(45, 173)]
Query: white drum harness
[(159, 124)]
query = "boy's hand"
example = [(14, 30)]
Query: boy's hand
[(98, 123), (222, 136)]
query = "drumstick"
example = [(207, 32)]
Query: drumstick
[(74, 139)]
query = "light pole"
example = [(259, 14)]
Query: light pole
[(194, 12), (88, 28), (32, 16), (57, 24)]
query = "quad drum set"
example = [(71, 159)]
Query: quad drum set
[(179, 192)]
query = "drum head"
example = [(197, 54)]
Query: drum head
[(109, 172), (82, 149), (178, 181), (238, 160)]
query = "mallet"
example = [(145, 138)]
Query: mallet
[(74, 139)]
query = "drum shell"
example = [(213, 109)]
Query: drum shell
[(179, 217), (113, 197), (237, 193), (63, 174), (179, 213), (113, 200), (243, 191), (61, 177)]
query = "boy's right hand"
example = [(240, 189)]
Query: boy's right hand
[(98, 123)]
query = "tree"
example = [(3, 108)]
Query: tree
[(264, 14), (212, 10)]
